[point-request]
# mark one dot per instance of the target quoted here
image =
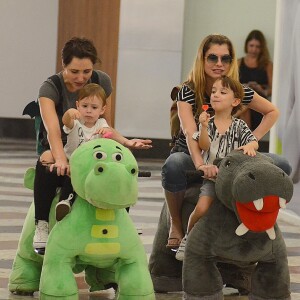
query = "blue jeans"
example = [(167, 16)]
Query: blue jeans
[(280, 162), (173, 171)]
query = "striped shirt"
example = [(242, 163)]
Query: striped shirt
[(238, 134), (186, 94)]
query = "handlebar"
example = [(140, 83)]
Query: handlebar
[(140, 174), (195, 176), (194, 173)]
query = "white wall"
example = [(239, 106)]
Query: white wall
[(233, 18), (28, 31), (149, 65)]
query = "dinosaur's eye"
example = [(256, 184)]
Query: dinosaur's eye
[(227, 163), (117, 156), (133, 171), (99, 155)]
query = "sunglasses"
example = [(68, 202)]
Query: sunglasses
[(213, 59)]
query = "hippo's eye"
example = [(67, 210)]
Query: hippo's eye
[(99, 155), (227, 163), (117, 156)]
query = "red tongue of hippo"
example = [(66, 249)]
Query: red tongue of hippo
[(259, 220)]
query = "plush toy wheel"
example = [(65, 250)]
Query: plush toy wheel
[(22, 293)]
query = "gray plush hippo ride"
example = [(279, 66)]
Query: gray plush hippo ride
[(98, 236), (238, 241)]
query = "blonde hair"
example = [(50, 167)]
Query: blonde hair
[(196, 79), (92, 89), (236, 87)]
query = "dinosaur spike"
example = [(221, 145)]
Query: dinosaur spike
[(241, 230), (282, 202), (271, 233), (259, 204)]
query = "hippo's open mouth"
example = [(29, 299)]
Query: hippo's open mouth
[(259, 215)]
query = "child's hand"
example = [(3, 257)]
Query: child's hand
[(204, 118), (74, 114), (103, 131), (248, 149), (209, 171)]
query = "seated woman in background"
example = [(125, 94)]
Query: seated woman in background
[(255, 70)]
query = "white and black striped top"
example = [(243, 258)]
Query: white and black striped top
[(187, 95), (238, 134)]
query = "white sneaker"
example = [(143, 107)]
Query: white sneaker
[(180, 251), (41, 235), (62, 208)]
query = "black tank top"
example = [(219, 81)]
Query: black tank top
[(252, 74)]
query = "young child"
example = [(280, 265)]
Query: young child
[(218, 136), (81, 124)]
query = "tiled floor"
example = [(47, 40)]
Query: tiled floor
[(17, 156)]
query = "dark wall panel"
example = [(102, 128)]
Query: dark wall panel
[(97, 20)]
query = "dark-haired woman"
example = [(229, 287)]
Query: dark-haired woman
[(256, 71), (79, 56)]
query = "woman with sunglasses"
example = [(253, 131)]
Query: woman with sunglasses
[(215, 57)]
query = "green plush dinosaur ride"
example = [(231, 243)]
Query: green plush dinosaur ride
[(237, 242), (98, 236)]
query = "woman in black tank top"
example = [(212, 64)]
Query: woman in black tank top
[(255, 70)]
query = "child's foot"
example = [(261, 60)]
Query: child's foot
[(40, 236), (180, 251), (62, 208)]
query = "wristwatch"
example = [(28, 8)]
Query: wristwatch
[(196, 135)]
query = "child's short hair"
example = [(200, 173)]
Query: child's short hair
[(92, 89), (237, 89)]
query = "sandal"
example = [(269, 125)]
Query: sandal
[(173, 245)]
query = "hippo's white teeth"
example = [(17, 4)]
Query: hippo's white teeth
[(259, 204), (282, 202), (241, 230), (271, 233)]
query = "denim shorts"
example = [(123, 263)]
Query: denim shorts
[(280, 162), (174, 169), (208, 189)]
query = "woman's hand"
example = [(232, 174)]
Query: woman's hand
[(62, 167), (210, 171), (138, 144)]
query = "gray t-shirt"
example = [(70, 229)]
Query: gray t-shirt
[(49, 90)]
